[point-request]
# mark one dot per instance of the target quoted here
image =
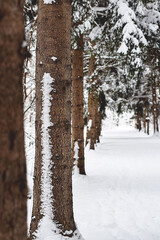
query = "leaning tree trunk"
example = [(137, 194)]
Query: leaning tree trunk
[(52, 198), (13, 187), (77, 106)]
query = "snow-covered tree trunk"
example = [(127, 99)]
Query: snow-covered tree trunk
[(77, 103), (52, 199), (13, 187)]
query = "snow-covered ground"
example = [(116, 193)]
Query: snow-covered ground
[(119, 199)]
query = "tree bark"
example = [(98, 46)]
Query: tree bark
[(92, 107), (13, 187), (98, 126), (54, 59), (147, 121), (91, 119), (77, 105), (155, 107), (138, 124), (144, 120)]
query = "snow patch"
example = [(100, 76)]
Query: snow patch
[(54, 59), (89, 124), (46, 226), (76, 157), (49, 1)]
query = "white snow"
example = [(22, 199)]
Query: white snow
[(54, 59), (89, 125), (49, 1), (24, 44), (99, 9), (119, 199), (76, 157), (46, 181)]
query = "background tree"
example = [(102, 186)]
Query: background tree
[(79, 26), (13, 190)]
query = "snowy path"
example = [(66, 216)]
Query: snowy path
[(119, 199)]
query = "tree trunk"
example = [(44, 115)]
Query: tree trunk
[(52, 199), (13, 187), (91, 120), (155, 107), (98, 126), (147, 121), (77, 105), (139, 126), (92, 106), (144, 120)]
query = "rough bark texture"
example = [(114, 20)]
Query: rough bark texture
[(144, 120), (92, 108), (13, 188), (147, 121), (155, 108), (53, 40), (138, 124), (98, 126), (77, 103)]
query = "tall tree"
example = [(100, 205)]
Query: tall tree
[(13, 188), (77, 105), (80, 24), (92, 103), (52, 198)]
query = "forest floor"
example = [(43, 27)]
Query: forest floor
[(119, 199)]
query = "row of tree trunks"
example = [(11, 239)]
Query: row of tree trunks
[(77, 106), (54, 58), (13, 187)]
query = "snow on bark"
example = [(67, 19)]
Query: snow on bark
[(89, 124), (47, 229), (46, 226), (49, 1), (76, 157), (54, 59)]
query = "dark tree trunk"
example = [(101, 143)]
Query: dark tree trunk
[(155, 107), (13, 187), (147, 121), (77, 104), (144, 120)]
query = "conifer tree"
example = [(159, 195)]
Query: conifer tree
[(13, 187), (52, 198)]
